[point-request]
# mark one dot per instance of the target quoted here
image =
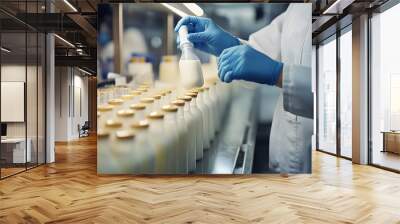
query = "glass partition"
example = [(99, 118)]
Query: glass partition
[(22, 88), (346, 93), (41, 97), (31, 97), (13, 92), (327, 96), (385, 89)]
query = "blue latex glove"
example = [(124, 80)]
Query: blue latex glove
[(245, 63), (206, 35)]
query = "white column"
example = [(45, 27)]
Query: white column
[(360, 90), (50, 99)]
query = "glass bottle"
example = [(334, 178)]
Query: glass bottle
[(159, 141), (195, 140), (190, 70), (106, 112), (140, 112), (112, 125), (214, 98), (116, 102), (200, 125), (123, 154), (103, 147), (206, 104), (145, 152), (126, 117), (185, 133), (198, 103), (157, 101), (128, 98), (170, 126), (148, 101)]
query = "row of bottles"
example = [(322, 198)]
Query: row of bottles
[(151, 130)]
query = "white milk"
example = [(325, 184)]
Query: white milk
[(191, 73)]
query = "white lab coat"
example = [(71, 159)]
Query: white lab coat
[(288, 39)]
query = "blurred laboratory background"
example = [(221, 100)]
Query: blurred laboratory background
[(148, 29)]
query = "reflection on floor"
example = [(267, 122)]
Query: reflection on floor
[(10, 171), (70, 191), (387, 159), (14, 169)]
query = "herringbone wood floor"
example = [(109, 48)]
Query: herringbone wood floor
[(69, 191)]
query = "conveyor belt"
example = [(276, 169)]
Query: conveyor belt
[(237, 134)]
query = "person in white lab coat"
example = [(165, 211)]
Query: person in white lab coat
[(278, 54)]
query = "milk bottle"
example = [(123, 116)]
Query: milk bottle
[(159, 141), (189, 65), (122, 151), (185, 133), (106, 112), (139, 109), (103, 148), (145, 152), (126, 117), (204, 107), (198, 103), (112, 125), (148, 101), (210, 104), (170, 126), (195, 139), (200, 125)]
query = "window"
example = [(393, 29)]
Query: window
[(327, 96), (346, 93), (22, 77), (385, 89)]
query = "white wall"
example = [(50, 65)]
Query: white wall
[(16, 73), (33, 126), (71, 94)]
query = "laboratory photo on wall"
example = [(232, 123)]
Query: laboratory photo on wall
[(204, 88)]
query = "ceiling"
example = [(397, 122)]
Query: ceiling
[(79, 27)]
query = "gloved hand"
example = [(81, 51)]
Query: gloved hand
[(206, 35), (246, 63)]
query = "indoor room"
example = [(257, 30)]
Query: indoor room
[(22, 98), (101, 122)]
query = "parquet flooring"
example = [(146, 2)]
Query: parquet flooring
[(69, 191)]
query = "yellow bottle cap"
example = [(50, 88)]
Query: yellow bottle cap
[(128, 96), (135, 92), (142, 89), (125, 113), (147, 100), (105, 108), (179, 103), (113, 124), (158, 96), (155, 115), (125, 134), (193, 95), (102, 133), (140, 124), (185, 98), (170, 108), (116, 102), (196, 90), (138, 106)]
